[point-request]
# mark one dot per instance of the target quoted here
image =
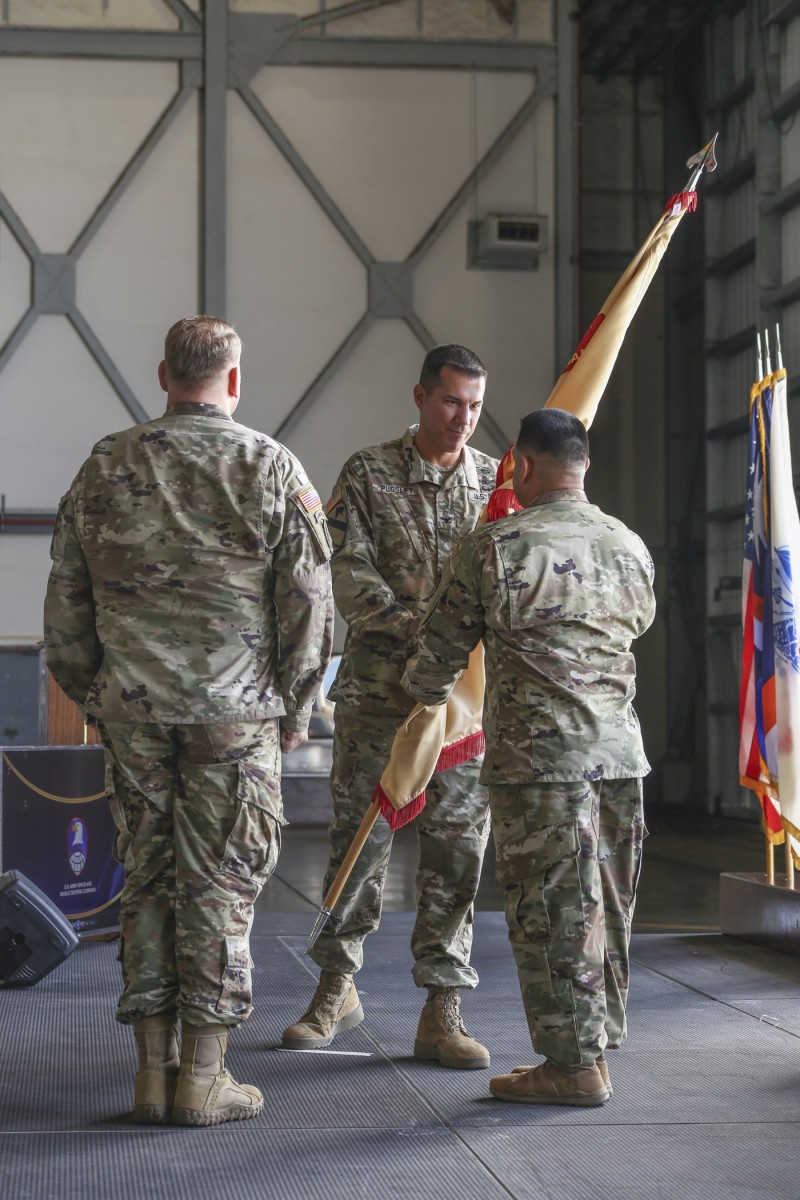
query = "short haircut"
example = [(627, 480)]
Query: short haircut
[(556, 433), (452, 355), (198, 348)]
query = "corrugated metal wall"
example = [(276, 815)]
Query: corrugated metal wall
[(752, 283)]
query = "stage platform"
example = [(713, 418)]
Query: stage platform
[(706, 1091)]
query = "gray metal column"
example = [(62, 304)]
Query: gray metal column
[(567, 150), (214, 157)]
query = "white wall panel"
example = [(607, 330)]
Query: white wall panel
[(139, 272), (369, 400), (67, 128), (507, 317), (87, 14), (26, 563), (56, 403), (295, 288), (15, 283), (391, 147)]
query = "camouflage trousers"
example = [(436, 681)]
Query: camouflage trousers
[(198, 815), (452, 833), (568, 857)]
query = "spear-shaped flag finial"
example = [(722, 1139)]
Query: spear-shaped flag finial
[(583, 380), (704, 160)]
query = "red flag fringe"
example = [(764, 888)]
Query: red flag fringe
[(461, 751), (451, 756), (502, 502), (682, 201), (398, 817)]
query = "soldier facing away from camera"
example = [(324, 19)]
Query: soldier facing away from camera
[(557, 592), (189, 612)]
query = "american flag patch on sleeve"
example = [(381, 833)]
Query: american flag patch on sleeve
[(309, 498)]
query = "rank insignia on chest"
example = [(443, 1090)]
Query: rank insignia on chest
[(309, 499)]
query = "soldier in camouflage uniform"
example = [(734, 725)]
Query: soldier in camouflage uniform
[(397, 512), (189, 611), (557, 592)]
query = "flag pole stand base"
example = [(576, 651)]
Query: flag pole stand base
[(755, 910)]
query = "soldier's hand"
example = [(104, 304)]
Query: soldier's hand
[(291, 740)]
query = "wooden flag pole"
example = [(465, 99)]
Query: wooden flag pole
[(770, 861), (343, 874)]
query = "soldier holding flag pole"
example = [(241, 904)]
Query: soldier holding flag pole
[(431, 732)]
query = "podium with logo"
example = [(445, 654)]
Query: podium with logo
[(56, 826)]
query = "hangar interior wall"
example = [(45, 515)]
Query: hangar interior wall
[(335, 214), (752, 283)]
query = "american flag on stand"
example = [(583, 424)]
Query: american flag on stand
[(769, 698)]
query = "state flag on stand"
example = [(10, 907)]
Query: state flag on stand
[(769, 697)]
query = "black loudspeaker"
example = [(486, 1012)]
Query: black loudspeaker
[(34, 936)]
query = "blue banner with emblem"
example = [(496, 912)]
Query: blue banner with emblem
[(56, 828)]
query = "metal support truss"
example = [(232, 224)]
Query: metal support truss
[(223, 51), (53, 275)]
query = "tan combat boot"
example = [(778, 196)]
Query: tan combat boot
[(600, 1063), (207, 1094), (334, 1008), (549, 1083), (157, 1043), (441, 1034)]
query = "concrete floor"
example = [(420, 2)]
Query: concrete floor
[(706, 1100)]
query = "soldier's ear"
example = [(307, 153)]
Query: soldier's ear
[(162, 376), (235, 381), (419, 394), (525, 467)]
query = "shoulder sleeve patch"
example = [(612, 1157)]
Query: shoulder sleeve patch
[(308, 498), (310, 506)]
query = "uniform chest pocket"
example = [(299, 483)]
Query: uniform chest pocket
[(413, 529)]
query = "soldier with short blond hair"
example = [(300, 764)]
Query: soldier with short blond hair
[(189, 612), (557, 593)]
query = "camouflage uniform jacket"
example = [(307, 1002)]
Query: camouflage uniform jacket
[(557, 592), (190, 581), (394, 520)]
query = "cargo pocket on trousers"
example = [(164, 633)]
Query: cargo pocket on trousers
[(547, 861), (121, 845), (254, 842), (237, 982)]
